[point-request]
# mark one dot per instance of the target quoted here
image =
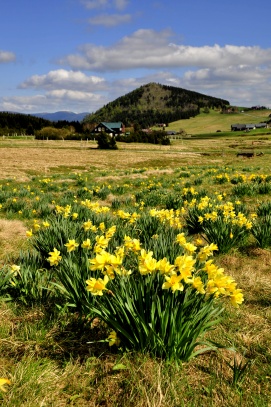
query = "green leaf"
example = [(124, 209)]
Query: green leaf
[(119, 366)]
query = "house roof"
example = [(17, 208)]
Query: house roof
[(112, 125)]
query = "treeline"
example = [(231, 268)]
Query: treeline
[(153, 137), (146, 118), (20, 123), (183, 98), (26, 124)]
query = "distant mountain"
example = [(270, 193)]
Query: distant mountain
[(154, 103), (62, 115)]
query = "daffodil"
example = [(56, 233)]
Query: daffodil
[(164, 266), (3, 382), (181, 239), (97, 286), (86, 244), (87, 225), (173, 282), (237, 297), (29, 233), (55, 257), (185, 265), (15, 269), (147, 264), (113, 339), (197, 283), (71, 245)]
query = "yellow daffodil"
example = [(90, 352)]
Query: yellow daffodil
[(3, 382), (15, 269), (29, 233), (97, 286), (86, 244), (87, 225), (164, 266), (71, 245), (173, 282), (189, 247), (113, 339), (197, 283), (181, 239), (54, 258), (236, 297)]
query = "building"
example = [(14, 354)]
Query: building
[(111, 128), (248, 126)]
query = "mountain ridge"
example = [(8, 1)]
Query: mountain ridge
[(62, 115)]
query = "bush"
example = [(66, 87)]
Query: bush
[(106, 142)]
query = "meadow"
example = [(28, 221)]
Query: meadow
[(135, 277), (215, 121)]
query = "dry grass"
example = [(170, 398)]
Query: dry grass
[(12, 237), (23, 158)]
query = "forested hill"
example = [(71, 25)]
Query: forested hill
[(21, 123), (154, 103)]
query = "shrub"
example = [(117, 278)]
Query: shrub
[(106, 142)]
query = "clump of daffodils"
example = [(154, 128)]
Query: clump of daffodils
[(194, 269)]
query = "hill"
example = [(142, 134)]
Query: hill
[(154, 103)]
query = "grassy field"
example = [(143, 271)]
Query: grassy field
[(214, 120), (54, 357)]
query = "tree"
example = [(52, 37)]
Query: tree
[(106, 142)]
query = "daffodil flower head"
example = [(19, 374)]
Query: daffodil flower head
[(3, 382), (97, 286), (71, 245)]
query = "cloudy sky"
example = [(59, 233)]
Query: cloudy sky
[(78, 55)]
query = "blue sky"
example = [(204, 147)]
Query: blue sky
[(78, 55)]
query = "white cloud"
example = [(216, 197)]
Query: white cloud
[(121, 4), (110, 20), (63, 79), (7, 56), (231, 75), (73, 95), (98, 4), (55, 100), (150, 49), (94, 4)]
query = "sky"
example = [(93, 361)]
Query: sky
[(78, 55)]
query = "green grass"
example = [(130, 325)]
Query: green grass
[(206, 123)]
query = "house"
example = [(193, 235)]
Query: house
[(238, 127), (250, 126), (247, 127), (111, 128), (261, 125)]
